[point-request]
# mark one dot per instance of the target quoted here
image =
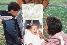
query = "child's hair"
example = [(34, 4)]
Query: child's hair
[(13, 6), (30, 26), (33, 25), (54, 25)]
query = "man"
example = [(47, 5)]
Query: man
[(11, 27)]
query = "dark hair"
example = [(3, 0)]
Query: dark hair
[(33, 25), (13, 6), (24, 1), (54, 25), (28, 27)]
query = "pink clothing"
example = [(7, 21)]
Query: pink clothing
[(55, 40)]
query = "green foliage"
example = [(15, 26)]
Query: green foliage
[(58, 1), (59, 12), (3, 7), (2, 37), (7, 1)]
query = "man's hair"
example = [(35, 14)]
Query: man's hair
[(13, 6), (54, 25)]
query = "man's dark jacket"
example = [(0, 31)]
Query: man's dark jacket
[(11, 31)]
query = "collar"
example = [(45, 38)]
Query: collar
[(57, 35)]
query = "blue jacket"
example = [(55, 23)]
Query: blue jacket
[(11, 32)]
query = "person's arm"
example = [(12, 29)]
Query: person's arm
[(42, 36)]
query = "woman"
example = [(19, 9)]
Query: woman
[(44, 2), (54, 29)]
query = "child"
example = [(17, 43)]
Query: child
[(32, 38), (11, 28)]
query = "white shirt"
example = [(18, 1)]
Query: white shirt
[(30, 38)]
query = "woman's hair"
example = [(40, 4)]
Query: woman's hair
[(54, 25), (24, 1), (29, 1), (43, 2), (36, 1)]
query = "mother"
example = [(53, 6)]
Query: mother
[(54, 29)]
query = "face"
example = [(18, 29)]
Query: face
[(34, 30), (14, 13), (46, 27)]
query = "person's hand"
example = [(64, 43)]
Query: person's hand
[(21, 40), (40, 34)]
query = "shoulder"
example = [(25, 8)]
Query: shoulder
[(65, 36), (9, 21)]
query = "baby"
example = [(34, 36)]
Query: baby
[(32, 37)]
